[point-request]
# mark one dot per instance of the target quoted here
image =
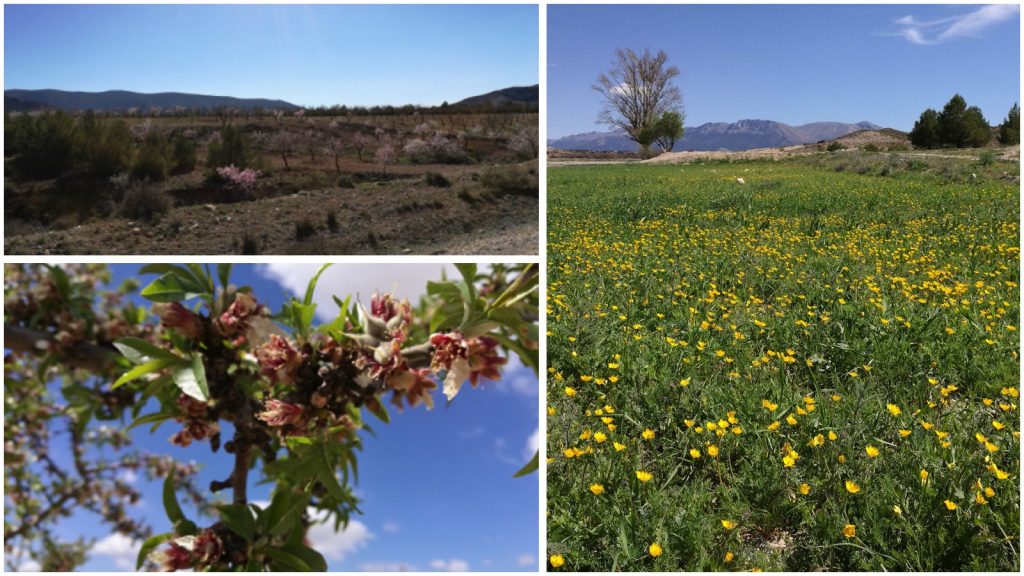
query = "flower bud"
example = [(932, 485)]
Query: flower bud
[(185, 321)]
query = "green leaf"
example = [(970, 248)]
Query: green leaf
[(238, 518), (224, 273), (311, 557), (200, 372), (325, 468), (523, 285), (285, 511), (171, 287), (143, 369), (202, 277), (150, 418), (312, 284), (139, 351), (171, 507), (530, 467), (60, 279), (296, 441), (468, 291), (287, 562), (149, 545), (192, 380)]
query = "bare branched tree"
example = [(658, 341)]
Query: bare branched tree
[(637, 90)]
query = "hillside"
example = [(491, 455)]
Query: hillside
[(740, 135), (524, 95), (123, 100)]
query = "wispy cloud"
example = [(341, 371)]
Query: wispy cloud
[(969, 25), (387, 567), (526, 560), (453, 565)]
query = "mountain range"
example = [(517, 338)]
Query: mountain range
[(25, 100), (123, 100), (525, 95), (741, 135)]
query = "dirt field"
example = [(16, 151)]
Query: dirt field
[(483, 199)]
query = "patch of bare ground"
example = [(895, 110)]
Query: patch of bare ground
[(392, 217)]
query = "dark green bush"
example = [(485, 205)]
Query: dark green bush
[(183, 157), (231, 149), (151, 163), (44, 143), (103, 147)]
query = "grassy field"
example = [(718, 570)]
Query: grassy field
[(816, 369)]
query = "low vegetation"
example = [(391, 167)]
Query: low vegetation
[(797, 366)]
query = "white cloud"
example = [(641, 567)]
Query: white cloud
[(336, 545), (969, 25), (452, 565), (128, 476), (119, 548), (359, 280), (532, 445), (526, 560), (387, 567), (28, 566), (516, 379), (391, 527)]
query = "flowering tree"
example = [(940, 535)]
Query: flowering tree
[(236, 179), (386, 154), (207, 353), (283, 143)]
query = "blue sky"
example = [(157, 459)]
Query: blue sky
[(436, 486), (308, 55), (792, 64)]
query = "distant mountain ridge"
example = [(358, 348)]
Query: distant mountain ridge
[(124, 99), (741, 135), (526, 95)]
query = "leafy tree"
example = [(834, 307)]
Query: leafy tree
[(977, 132), (1009, 130), (207, 352), (952, 129), (668, 129), (637, 90), (926, 130)]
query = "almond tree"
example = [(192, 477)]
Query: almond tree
[(283, 143), (207, 352), (336, 147)]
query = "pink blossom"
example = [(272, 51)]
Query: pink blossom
[(280, 413), (235, 318), (235, 179), (278, 359)]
